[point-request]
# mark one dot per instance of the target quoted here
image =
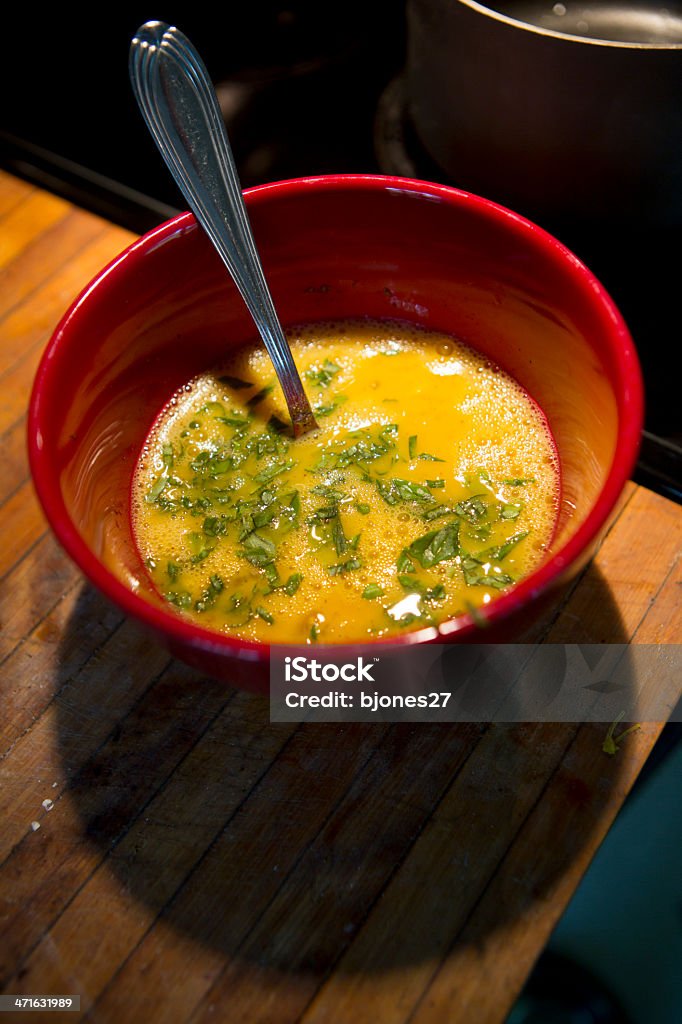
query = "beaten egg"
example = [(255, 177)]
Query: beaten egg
[(431, 487)]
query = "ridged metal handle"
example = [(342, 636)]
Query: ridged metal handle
[(178, 102)]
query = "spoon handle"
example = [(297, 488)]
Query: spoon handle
[(178, 102)]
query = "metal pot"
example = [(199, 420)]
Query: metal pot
[(564, 110)]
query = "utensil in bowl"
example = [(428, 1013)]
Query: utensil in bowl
[(403, 249), (178, 102)]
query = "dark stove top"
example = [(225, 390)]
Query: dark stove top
[(298, 83), (305, 88)]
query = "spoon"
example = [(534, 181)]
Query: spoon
[(179, 104)]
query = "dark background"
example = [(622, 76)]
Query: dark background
[(299, 84), (306, 88)]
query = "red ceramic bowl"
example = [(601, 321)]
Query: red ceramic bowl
[(332, 247)]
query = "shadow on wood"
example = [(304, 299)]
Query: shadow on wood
[(306, 848)]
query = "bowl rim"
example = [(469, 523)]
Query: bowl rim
[(629, 408)]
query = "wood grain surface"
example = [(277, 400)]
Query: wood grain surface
[(169, 855)]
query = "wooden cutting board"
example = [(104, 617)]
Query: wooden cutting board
[(168, 854)]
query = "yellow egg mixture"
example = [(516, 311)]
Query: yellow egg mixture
[(431, 486)]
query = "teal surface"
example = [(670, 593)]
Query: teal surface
[(624, 922)]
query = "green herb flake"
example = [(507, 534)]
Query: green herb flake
[(371, 591), (323, 377), (156, 489), (201, 555), (214, 526), (260, 395), (405, 563), (234, 420), (214, 408), (362, 508), (264, 615), (412, 446), (396, 491), (436, 546), (341, 568), (476, 576), (500, 552), (339, 537), (331, 406), (270, 472), (271, 575), (510, 511), (435, 485), (292, 584), (472, 509), (258, 550), (611, 744), (437, 512)]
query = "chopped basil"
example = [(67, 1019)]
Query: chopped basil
[(323, 376), (260, 395), (437, 512), (208, 597), (214, 526), (405, 563), (339, 537), (502, 550), (323, 515), (472, 509), (371, 591), (155, 490), (270, 472), (475, 575), (326, 409), (292, 584), (395, 491), (436, 546), (258, 550), (342, 568)]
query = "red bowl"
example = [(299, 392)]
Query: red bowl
[(333, 247)]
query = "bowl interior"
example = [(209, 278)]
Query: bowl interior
[(331, 249)]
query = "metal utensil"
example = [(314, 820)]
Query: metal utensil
[(178, 102)]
